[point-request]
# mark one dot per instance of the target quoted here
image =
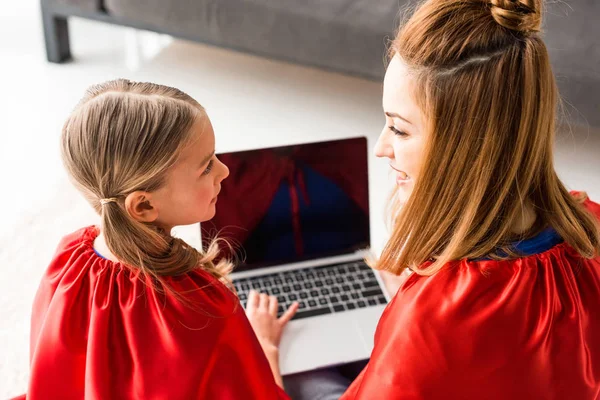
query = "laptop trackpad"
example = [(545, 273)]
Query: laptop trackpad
[(328, 340)]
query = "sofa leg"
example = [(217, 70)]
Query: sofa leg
[(56, 36)]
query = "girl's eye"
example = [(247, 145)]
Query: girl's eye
[(397, 132), (209, 168)]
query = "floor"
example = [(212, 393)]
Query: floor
[(252, 102)]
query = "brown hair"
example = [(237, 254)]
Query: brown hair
[(122, 137), (485, 86)]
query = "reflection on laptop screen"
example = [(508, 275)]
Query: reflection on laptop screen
[(288, 204)]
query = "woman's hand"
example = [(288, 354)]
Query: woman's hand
[(261, 310)]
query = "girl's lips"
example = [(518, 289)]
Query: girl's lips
[(214, 200)]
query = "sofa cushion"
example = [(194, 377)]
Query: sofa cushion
[(344, 35), (87, 5)]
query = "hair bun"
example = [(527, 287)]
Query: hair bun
[(518, 15)]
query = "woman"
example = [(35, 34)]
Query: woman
[(502, 302)]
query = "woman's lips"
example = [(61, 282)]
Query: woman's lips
[(401, 176)]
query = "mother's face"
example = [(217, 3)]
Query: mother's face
[(403, 137)]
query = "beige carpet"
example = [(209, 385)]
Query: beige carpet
[(24, 255)]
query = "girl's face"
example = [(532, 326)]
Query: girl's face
[(193, 183), (402, 140)]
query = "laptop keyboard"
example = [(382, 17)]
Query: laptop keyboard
[(319, 290)]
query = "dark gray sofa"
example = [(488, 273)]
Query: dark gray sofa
[(342, 35), (347, 36)]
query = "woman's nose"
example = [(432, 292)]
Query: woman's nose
[(383, 147)]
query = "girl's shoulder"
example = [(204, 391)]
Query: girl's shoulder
[(98, 316), (77, 270)]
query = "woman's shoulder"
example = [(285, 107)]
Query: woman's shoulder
[(481, 297), (472, 282), (481, 321), (590, 205)]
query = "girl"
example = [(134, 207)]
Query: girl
[(504, 294), (127, 311)]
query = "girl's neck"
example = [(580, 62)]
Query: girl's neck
[(102, 248)]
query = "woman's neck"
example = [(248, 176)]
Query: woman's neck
[(524, 220)]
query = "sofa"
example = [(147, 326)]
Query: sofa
[(347, 36)]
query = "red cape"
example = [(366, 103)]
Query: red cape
[(525, 329), (99, 332)]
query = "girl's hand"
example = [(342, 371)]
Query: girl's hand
[(261, 310)]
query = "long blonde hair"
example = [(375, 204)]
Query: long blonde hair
[(122, 137), (488, 94)]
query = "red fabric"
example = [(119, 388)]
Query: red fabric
[(99, 332), (248, 194), (296, 177), (523, 329)]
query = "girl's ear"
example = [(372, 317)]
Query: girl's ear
[(139, 207)]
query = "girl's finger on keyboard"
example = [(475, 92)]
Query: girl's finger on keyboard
[(264, 301), (288, 314), (273, 304), (253, 299)]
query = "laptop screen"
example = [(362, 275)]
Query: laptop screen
[(288, 204)]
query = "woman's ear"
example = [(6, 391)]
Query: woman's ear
[(139, 207)]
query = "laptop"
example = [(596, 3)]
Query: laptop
[(299, 219)]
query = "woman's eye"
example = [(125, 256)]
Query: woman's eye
[(209, 168), (397, 132)]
